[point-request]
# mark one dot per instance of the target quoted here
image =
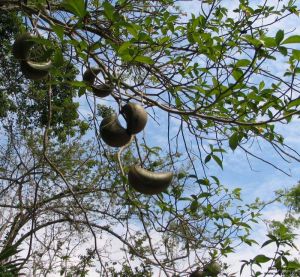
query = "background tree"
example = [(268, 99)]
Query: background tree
[(208, 73), (282, 234)]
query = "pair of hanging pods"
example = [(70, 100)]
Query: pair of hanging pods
[(114, 134), (21, 50)]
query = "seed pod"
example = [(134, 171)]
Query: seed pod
[(90, 74), (22, 46), (148, 182), (35, 71), (135, 116), (89, 77), (113, 133), (102, 90)]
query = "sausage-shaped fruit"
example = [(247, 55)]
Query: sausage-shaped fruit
[(90, 74), (135, 116), (89, 77), (102, 90), (21, 50), (22, 46), (35, 71), (112, 132), (148, 182)]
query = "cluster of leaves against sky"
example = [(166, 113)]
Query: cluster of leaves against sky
[(61, 188)]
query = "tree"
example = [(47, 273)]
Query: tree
[(282, 234), (206, 79)]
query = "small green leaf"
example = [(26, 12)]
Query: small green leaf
[(77, 84), (144, 59), (207, 159), (261, 85), (237, 74), (269, 41), (108, 10), (293, 103), (243, 63), (124, 47), (59, 31), (194, 206), (296, 54), (234, 141), (204, 195), (292, 39), (178, 102), (267, 242), (76, 7), (261, 259), (293, 265), (283, 50), (279, 36), (58, 58), (278, 263), (218, 160), (204, 182)]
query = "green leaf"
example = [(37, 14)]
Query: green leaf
[(269, 41), (278, 263), (207, 159), (194, 206), (204, 182), (76, 7), (218, 160), (292, 39), (133, 29), (124, 47), (283, 50), (296, 54), (279, 37), (59, 31), (261, 85), (108, 10), (293, 103), (58, 58), (243, 63), (293, 265), (178, 102), (261, 259), (144, 59), (204, 195), (234, 141), (267, 242), (237, 74)]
